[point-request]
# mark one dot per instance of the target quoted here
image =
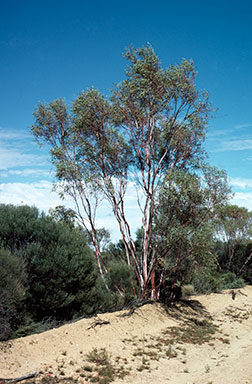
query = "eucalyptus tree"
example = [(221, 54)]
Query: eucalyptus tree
[(184, 225), (153, 124), (79, 141), (233, 226)]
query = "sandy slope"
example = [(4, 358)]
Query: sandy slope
[(227, 359)]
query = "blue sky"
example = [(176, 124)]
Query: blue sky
[(54, 49)]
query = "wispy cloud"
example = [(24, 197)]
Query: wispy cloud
[(237, 138), (38, 194), (241, 126), (214, 134), (17, 150), (27, 173), (234, 145), (240, 182), (6, 134), (11, 157)]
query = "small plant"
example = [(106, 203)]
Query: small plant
[(187, 291), (145, 361), (171, 352), (98, 357), (87, 368), (142, 368), (104, 371), (207, 368)]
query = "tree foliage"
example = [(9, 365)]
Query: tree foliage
[(233, 225), (153, 125), (184, 227)]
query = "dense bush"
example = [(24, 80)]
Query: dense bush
[(12, 280), (213, 281), (121, 279), (62, 273), (17, 225), (61, 270), (241, 263)]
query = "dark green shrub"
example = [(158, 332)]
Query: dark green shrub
[(61, 267), (228, 280), (17, 224), (62, 272), (12, 280), (120, 279), (214, 281)]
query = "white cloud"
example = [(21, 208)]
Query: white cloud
[(17, 150), (6, 134), (11, 157), (234, 145), (243, 199), (240, 183), (214, 134), (26, 172), (240, 126), (38, 194)]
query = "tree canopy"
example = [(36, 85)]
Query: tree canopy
[(153, 126)]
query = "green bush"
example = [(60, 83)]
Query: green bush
[(12, 290), (214, 281), (17, 225), (187, 290), (62, 273), (228, 280), (120, 278), (61, 268)]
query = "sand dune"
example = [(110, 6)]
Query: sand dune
[(147, 345)]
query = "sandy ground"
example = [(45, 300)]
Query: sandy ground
[(227, 359)]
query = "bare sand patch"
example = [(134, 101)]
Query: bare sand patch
[(145, 346)]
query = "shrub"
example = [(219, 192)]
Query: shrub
[(120, 277), (187, 290), (17, 226), (62, 273), (61, 268), (214, 281), (12, 280)]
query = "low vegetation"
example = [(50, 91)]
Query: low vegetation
[(150, 134), (48, 273)]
